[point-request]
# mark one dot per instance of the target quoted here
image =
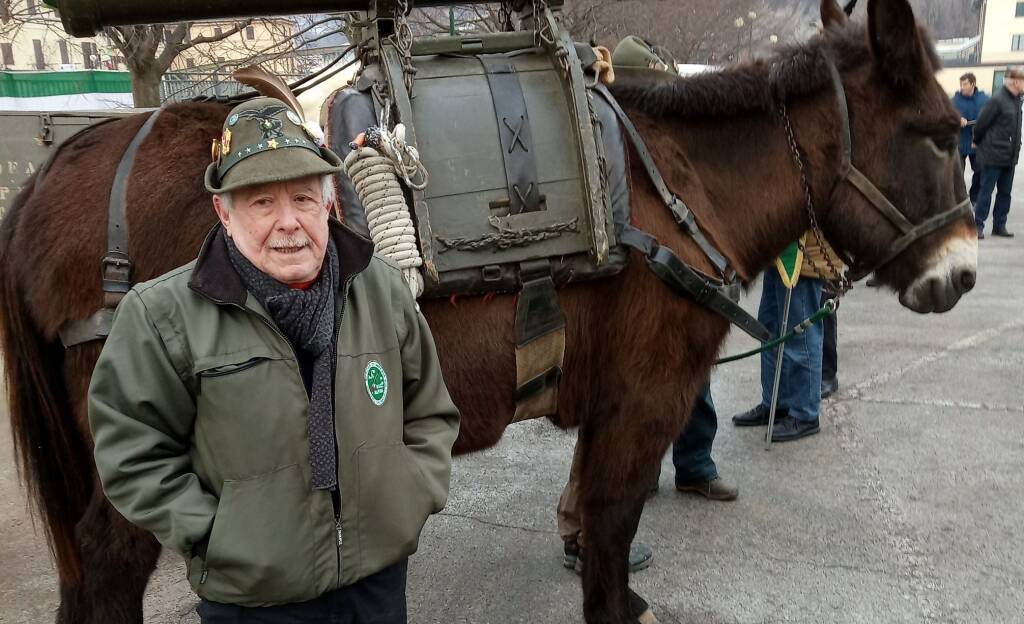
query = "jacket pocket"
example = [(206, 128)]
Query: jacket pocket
[(394, 504), (261, 546)]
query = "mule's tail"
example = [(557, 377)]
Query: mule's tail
[(51, 451)]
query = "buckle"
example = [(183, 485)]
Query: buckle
[(117, 273)]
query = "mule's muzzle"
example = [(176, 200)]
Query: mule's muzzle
[(952, 274)]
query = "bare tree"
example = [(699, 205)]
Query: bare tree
[(698, 32), (149, 51)]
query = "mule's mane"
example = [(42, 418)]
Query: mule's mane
[(795, 70)]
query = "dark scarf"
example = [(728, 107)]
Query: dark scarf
[(306, 317)]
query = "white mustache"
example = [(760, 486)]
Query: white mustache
[(289, 243)]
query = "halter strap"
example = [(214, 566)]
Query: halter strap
[(910, 232)]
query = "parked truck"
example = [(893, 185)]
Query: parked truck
[(28, 138)]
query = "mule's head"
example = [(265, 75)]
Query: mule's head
[(904, 139)]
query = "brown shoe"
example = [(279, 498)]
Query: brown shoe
[(716, 489)]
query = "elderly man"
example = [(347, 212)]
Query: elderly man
[(274, 411), (997, 134)]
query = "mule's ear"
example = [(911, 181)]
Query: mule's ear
[(831, 15), (895, 41)]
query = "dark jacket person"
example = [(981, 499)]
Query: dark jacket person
[(997, 135), (969, 101), (274, 411)]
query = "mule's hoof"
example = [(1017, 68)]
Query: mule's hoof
[(648, 617)]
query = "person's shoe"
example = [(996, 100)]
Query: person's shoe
[(757, 417), (1002, 232), (788, 428), (640, 557), (716, 489), (873, 282), (829, 387), (981, 234)]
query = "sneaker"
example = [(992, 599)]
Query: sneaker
[(981, 234), (1002, 232), (788, 428), (757, 417), (640, 557), (716, 489)]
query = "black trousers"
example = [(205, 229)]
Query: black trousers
[(376, 599)]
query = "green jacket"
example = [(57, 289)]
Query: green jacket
[(198, 412)]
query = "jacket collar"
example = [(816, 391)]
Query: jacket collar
[(215, 277)]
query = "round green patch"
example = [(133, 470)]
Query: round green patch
[(376, 383)]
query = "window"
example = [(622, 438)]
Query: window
[(1020, 9), (997, 80), (65, 58), (190, 62), (37, 47), (217, 32), (250, 32), (88, 52), (1018, 43), (168, 35), (30, 7), (8, 53)]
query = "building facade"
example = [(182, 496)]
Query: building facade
[(1000, 42), (31, 38)]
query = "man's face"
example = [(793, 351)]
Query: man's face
[(1016, 85), (966, 88), (280, 227)]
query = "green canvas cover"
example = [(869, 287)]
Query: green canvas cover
[(459, 140), (469, 240)]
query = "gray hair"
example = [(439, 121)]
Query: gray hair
[(327, 193)]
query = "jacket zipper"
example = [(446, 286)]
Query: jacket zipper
[(336, 495)]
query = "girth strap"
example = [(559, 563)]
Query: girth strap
[(116, 265), (687, 282), (682, 214)]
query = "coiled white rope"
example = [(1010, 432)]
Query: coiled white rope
[(375, 177)]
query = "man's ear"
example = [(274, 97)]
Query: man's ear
[(222, 213)]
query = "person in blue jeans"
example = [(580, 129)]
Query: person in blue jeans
[(799, 402), (696, 472), (968, 102)]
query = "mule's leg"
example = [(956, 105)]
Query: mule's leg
[(619, 459), (117, 560)]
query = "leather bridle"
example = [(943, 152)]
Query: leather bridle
[(909, 232)]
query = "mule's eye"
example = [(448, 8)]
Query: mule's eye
[(943, 144)]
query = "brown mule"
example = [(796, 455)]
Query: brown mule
[(636, 354)]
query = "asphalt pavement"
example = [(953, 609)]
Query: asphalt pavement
[(907, 507)]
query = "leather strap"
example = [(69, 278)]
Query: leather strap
[(514, 131), (682, 214), (920, 230), (687, 282), (116, 264), (910, 233)]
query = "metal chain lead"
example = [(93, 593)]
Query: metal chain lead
[(838, 282)]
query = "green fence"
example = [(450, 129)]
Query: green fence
[(42, 84)]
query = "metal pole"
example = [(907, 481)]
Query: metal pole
[(778, 370)]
